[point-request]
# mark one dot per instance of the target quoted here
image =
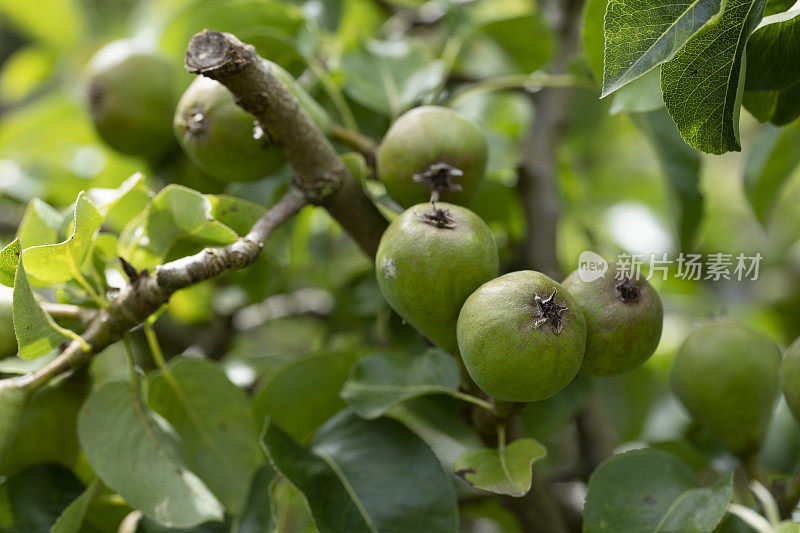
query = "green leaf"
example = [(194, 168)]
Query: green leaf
[(506, 470), (592, 35), (702, 84), (40, 224), (778, 107), (304, 393), (381, 381), (37, 333), (773, 53), (366, 476), (24, 71), (642, 34), (526, 38), (770, 163), (652, 490), (71, 519), (46, 430), (122, 204), (256, 515), (9, 257), (52, 264), (32, 500), (12, 405), (119, 435), (639, 96), (681, 166), (213, 418), (237, 214), (176, 215), (389, 76)]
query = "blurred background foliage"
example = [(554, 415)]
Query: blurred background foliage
[(313, 294)]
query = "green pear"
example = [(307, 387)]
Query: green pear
[(790, 378), (623, 319), (522, 337), (429, 261), (131, 98), (726, 374), (432, 149)]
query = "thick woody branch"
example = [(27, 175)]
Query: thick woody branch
[(320, 172), (146, 293)]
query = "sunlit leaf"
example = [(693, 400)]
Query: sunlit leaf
[(506, 470), (52, 264), (57, 23), (23, 72), (702, 84), (642, 34), (40, 224)]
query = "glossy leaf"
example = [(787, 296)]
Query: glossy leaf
[(506, 470), (771, 162), (773, 52), (366, 476), (381, 381), (213, 418), (176, 215), (304, 393), (651, 490), (52, 264), (119, 434), (681, 165), (32, 500), (702, 84), (389, 76), (642, 34)]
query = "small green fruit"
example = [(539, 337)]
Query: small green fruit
[(222, 138), (726, 374), (429, 261), (790, 378), (522, 337), (623, 320), (131, 99), (430, 149)]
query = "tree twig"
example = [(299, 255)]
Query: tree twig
[(146, 293), (319, 172), (84, 315)]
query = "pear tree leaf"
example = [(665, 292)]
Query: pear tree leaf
[(304, 393), (514, 35), (9, 257), (770, 163), (639, 96), (381, 381), (779, 107), (176, 215), (37, 332), (71, 518), (119, 434), (120, 205), (40, 224), (52, 264), (773, 52), (505, 470), (702, 83), (213, 418), (642, 34), (236, 213), (256, 514), (366, 476), (389, 76), (652, 491)]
